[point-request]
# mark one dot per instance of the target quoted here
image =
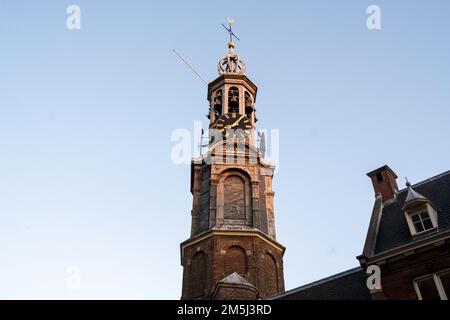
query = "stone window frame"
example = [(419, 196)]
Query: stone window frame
[(248, 198), (437, 282)]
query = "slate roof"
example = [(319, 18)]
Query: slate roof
[(348, 285), (393, 230)]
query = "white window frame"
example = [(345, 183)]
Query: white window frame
[(437, 283), (426, 208), (422, 216)]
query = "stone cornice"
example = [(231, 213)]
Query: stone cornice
[(212, 233)]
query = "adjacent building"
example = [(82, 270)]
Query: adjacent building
[(408, 238)]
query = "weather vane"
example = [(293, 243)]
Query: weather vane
[(230, 31)]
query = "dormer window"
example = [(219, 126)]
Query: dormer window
[(420, 214)]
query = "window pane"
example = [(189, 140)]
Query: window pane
[(445, 279), (428, 289), (418, 226), (424, 215), (427, 224), (415, 218)]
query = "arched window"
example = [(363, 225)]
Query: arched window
[(248, 105), (198, 275), (235, 261), (234, 198), (217, 104), (270, 279), (233, 100)]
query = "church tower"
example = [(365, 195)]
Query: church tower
[(232, 252)]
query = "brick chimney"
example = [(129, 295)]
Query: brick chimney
[(384, 182)]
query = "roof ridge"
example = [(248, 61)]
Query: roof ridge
[(418, 184)]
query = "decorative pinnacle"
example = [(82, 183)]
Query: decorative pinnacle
[(408, 184)]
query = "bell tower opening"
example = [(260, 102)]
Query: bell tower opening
[(248, 106), (233, 100), (217, 105)]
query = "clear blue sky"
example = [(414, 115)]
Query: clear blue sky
[(86, 117)]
